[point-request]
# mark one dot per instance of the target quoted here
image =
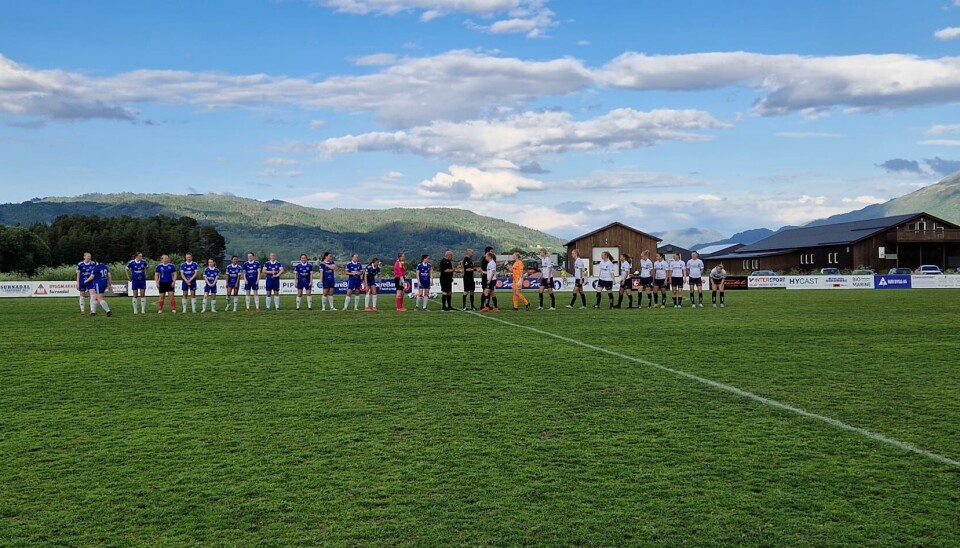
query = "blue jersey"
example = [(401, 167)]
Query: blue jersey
[(233, 271), (424, 271), (272, 268), (166, 272), (138, 270), (211, 274), (303, 271), (252, 270), (354, 270), (101, 273), (188, 270), (85, 269), (372, 272), (327, 269)]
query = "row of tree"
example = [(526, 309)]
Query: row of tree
[(114, 239)]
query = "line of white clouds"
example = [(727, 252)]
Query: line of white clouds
[(462, 85), (529, 17)]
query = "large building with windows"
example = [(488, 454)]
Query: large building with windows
[(899, 241)]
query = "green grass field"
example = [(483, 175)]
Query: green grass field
[(449, 428)]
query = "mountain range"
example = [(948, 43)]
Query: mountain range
[(290, 229)]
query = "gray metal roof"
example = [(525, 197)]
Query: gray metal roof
[(835, 234)]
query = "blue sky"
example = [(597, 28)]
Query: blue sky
[(561, 115)]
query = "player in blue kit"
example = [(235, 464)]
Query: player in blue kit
[(251, 273), (165, 275), (371, 276), (97, 284), (234, 270), (211, 275), (354, 270), (137, 276), (189, 270), (273, 269), (327, 266), (304, 272), (424, 279), (84, 269)]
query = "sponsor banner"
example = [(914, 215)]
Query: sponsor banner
[(766, 282), (830, 282), (55, 289), (732, 282), (892, 282), (17, 289), (951, 281)]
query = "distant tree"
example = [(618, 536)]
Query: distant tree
[(22, 250)]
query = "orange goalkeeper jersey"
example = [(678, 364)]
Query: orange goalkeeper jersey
[(518, 268)]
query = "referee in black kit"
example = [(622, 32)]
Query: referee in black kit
[(446, 281), (483, 278), (469, 285)]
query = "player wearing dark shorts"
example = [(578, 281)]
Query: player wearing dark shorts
[(484, 300), (660, 267), (446, 281), (469, 284), (165, 274), (234, 270)]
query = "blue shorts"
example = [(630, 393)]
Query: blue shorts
[(272, 284), (354, 283), (233, 283), (138, 284), (188, 286), (303, 285), (424, 284), (210, 289), (82, 286), (100, 286), (371, 282), (329, 283), (251, 286)]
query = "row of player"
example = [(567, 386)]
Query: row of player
[(364, 279)]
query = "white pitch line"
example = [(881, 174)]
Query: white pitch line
[(742, 393)]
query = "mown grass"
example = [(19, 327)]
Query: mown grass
[(447, 428)]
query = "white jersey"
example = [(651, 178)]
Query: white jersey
[(625, 267), (676, 268), (546, 266), (491, 271), (660, 268), (646, 265), (606, 270), (695, 268), (718, 275), (579, 266)]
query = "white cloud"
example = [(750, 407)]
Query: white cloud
[(795, 83), (630, 179), (376, 59), (583, 42), (524, 16), (531, 135), (476, 183), (807, 135), (948, 33), (317, 199), (941, 129), (941, 142), (392, 175), (276, 161), (863, 200), (455, 85), (271, 172), (317, 124)]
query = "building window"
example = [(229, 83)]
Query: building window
[(806, 259), (833, 258), (746, 264), (756, 263)]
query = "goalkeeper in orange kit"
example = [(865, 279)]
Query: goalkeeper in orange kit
[(518, 268)]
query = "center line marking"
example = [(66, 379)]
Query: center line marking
[(742, 393)]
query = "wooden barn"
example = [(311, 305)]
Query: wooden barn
[(616, 238)]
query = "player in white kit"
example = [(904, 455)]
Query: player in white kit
[(695, 278)]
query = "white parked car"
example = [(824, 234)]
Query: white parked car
[(929, 269)]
